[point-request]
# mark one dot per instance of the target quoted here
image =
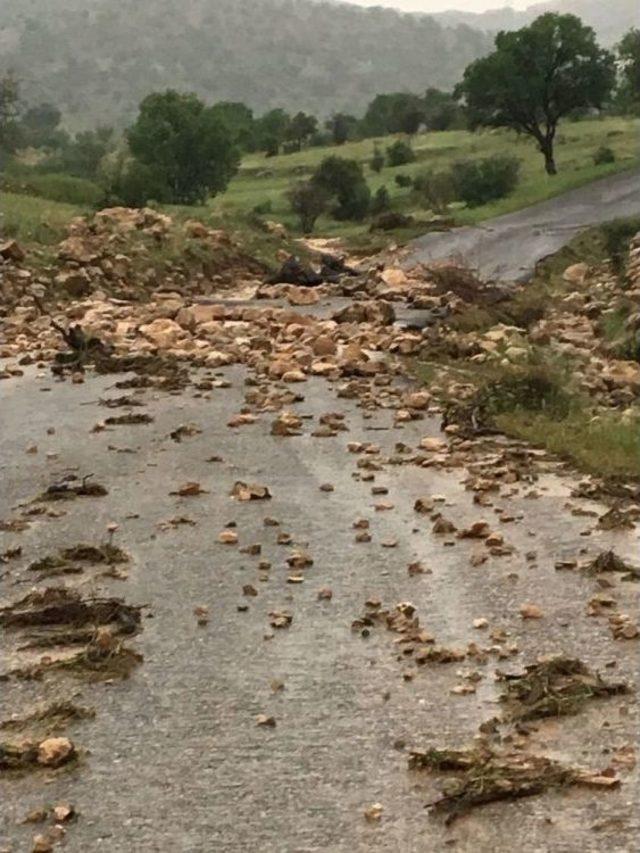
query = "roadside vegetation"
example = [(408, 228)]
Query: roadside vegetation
[(536, 395)]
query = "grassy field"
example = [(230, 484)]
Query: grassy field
[(264, 180)]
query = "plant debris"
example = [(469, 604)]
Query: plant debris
[(487, 776), (609, 561), (69, 488), (552, 688), (67, 559)]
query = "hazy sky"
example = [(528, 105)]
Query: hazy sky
[(442, 5)]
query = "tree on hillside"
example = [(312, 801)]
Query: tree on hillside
[(40, 127), (628, 51), (186, 145), (271, 129), (440, 109), (239, 121), (536, 76), (9, 104), (344, 180), (341, 127), (300, 128), (308, 200), (399, 112)]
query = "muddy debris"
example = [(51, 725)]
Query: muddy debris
[(67, 560), (48, 719), (609, 561), (72, 487), (555, 687), (129, 419), (51, 752), (485, 775), (124, 401)]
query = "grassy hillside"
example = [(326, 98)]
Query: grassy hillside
[(265, 181)]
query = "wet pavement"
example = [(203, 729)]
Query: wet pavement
[(508, 247), (175, 759)]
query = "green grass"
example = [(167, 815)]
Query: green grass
[(36, 220), (604, 445), (263, 179)]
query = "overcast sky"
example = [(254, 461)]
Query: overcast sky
[(442, 5)]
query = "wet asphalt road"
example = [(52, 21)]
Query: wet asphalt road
[(176, 761), (508, 248)]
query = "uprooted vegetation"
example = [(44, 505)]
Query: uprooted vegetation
[(485, 775), (48, 719), (552, 688), (71, 560), (72, 487), (60, 620)]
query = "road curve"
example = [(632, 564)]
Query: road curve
[(508, 247)]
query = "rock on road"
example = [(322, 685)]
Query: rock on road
[(177, 762), (508, 248)]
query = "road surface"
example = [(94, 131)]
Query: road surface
[(176, 761), (508, 248)]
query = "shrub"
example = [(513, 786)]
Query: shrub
[(344, 180), (377, 160), (603, 155), (437, 190), (381, 201), (308, 200), (533, 388), (262, 208), (400, 153), (617, 236), (479, 181), (403, 180)]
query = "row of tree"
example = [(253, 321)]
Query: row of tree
[(181, 150)]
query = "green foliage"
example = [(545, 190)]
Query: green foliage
[(436, 190), (299, 129), (479, 181), (537, 75), (82, 156), (403, 180), (628, 51), (400, 153), (381, 201), (399, 112), (604, 154), (344, 180), (238, 119), (308, 200), (184, 146), (40, 127), (342, 127), (441, 110), (54, 187), (617, 236), (377, 160)]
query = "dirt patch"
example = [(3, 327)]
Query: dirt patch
[(158, 371)]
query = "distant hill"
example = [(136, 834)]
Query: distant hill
[(609, 18), (96, 59)]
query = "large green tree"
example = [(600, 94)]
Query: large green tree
[(537, 75), (186, 144), (398, 112)]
